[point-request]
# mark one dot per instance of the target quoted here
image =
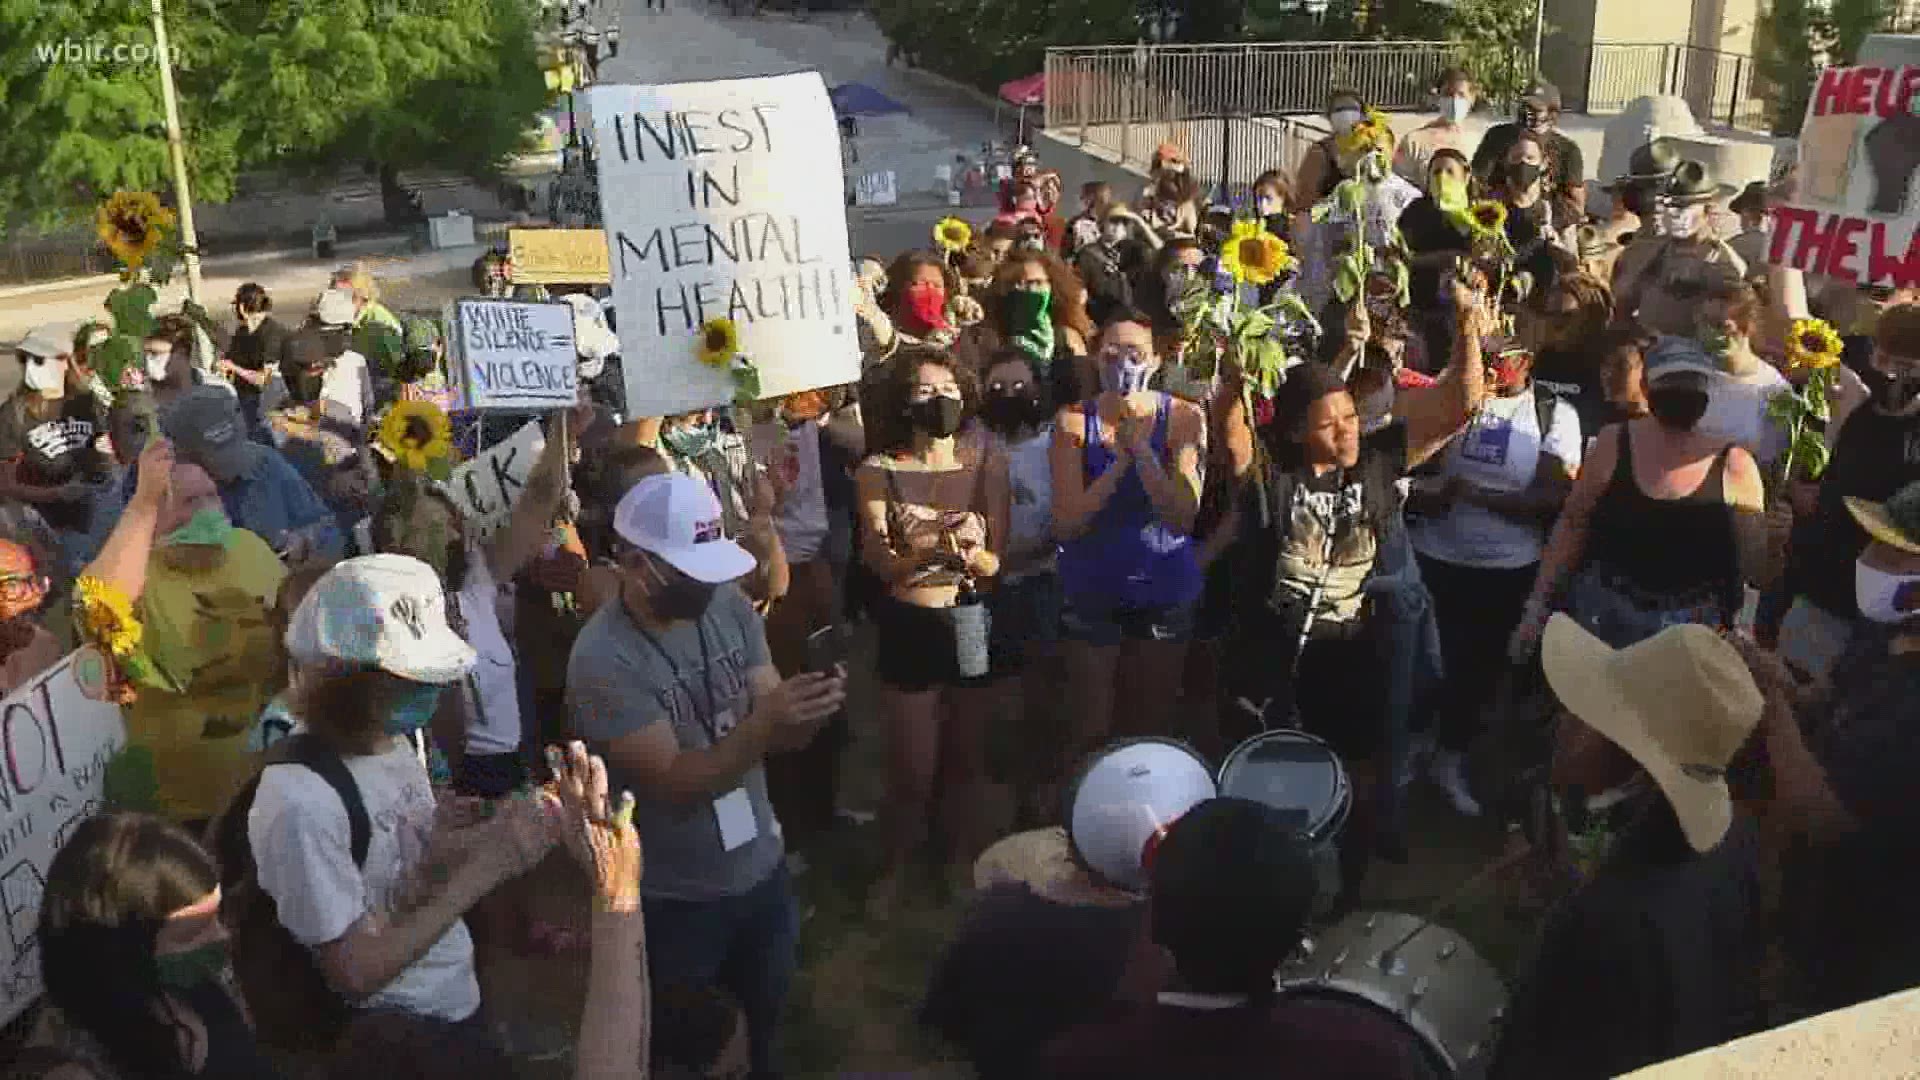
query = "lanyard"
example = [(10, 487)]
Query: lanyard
[(705, 719)]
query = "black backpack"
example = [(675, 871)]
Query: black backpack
[(293, 1007)]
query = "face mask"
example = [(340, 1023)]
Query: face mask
[(678, 598), (1176, 281), (157, 365), (1114, 234), (1678, 408), (44, 374), (691, 441), (1455, 109), (1522, 175), (1507, 372), (1028, 308), (927, 303), (937, 416), (1008, 413), (1127, 375), (1268, 205), (591, 366), (1678, 221), (1885, 597), (195, 967), (412, 708), (1343, 120), (1895, 394), (1537, 121), (206, 528), (1174, 168), (1450, 191), (1376, 408)]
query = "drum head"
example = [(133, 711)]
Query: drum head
[(1295, 773), (1126, 794)]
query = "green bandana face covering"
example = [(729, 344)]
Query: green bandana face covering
[(206, 528), (1450, 192), (1030, 323), (692, 441)]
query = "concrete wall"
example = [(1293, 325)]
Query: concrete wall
[(1878, 1040)]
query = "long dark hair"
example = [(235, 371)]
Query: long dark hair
[(1069, 296), (888, 431), (902, 273), (108, 891)]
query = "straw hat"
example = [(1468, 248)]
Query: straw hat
[(1895, 523), (1682, 703), (1042, 860)]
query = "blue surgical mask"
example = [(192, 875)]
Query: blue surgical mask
[(412, 708), (1128, 375)]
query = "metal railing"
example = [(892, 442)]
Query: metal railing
[(1718, 86), (1226, 105)]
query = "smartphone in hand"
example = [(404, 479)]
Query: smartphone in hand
[(826, 651)]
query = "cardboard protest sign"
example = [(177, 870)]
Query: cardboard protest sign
[(515, 354), (57, 743), (488, 486), (725, 200), (558, 256), (1855, 207)]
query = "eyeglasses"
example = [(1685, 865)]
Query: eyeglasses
[(16, 588), (1001, 388)]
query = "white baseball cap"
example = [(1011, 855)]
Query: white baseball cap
[(676, 517), (382, 611), (1127, 796), (48, 340), (335, 307)]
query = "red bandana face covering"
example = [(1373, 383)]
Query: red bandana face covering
[(1508, 370), (927, 303)]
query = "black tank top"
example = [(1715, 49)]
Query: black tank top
[(1667, 548)]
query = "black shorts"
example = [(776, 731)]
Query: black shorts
[(491, 776), (917, 649)]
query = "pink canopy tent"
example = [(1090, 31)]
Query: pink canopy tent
[(1027, 93)]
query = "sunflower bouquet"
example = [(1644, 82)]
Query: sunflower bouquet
[(141, 235), (719, 347), (1219, 328), (108, 626), (952, 236), (1813, 350), (417, 436), (1365, 155)]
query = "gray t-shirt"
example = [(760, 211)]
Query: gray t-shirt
[(618, 682)]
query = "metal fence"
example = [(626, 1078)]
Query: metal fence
[(1226, 105), (1718, 86)]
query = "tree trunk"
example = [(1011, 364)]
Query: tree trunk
[(393, 198)]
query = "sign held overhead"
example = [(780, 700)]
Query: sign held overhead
[(725, 200), (516, 355), (1855, 207), (558, 256)]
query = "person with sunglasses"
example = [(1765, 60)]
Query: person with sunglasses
[(26, 647)]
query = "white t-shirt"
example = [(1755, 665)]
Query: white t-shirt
[(802, 521), (1737, 412), (1030, 549), (493, 721), (1498, 452), (345, 384), (303, 848)]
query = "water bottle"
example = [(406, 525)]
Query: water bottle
[(970, 624)]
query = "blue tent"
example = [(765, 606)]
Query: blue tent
[(859, 99)]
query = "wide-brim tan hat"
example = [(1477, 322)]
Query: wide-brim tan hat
[(1042, 860), (1895, 523), (1681, 703)]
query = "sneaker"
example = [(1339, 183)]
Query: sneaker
[(1448, 770)]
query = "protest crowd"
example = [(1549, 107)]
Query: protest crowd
[(1235, 522)]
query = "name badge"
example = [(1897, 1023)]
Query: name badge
[(733, 813)]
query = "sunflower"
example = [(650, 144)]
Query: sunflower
[(415, 434), (132, 224), (1487, 218), (106, 617), (1372, 133), (952, 235), (719, 342), (1813, 344), (1253, 254)]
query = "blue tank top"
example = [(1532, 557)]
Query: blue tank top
[(1128, 558)]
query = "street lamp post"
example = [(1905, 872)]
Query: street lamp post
[(189, 240)]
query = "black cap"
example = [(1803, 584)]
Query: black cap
[(1541, 94)]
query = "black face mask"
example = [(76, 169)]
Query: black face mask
[(1008, 413), (1521, 175), (1891, 393), (938, 416), (675, 597), (1678, 408)]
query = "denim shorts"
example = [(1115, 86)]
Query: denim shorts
[(1108, 624), (1026, 618)]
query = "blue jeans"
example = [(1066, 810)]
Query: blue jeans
[(1403, 626), (744, 944)]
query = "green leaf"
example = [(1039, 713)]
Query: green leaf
[(1811, 454), (132, 309), (130, 781)]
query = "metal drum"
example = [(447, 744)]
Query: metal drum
[(1302, 777), (1426, 977), (1124, 799)]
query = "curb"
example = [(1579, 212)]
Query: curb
[(975, 94)]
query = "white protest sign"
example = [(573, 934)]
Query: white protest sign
[(1855, 207), (57, 744), (515, 354), (488, 486), (725, 200)]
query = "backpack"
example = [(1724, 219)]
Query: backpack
[(293, 1008)]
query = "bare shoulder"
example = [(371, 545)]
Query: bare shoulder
[(1186, 420)]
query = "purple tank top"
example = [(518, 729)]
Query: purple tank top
[(1128, 558)]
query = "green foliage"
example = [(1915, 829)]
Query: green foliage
[(1794, 38), (1496, 43), (446, 84), (988, 42)]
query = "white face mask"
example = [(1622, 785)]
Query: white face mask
[(1344, 119), (1376, 409), (157, 365), (1681, 221), (1455, 109), (45, 373), (1879, 592), (1113, 233)]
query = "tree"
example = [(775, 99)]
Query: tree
[(1496, 43), (452, 85), (1797, 37)]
